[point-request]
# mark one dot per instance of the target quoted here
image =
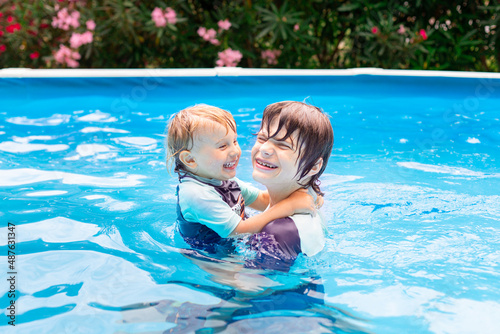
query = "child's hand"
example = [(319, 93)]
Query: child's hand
[(319, 202), (302, 202)]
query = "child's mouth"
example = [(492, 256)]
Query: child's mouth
[(230, 164), (265, 164)]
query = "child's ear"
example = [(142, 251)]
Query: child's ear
[(187, 159), (316, 168)]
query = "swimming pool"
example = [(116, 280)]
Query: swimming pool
[(412, 205)]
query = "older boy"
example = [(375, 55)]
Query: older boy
[(293, 146)]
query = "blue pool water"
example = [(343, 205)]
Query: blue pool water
[(412, 206)]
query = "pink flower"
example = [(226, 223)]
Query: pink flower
[(64, 20), (296, 27), (229, 58), (270, 56), (201, 31), (87, 37), (423, 34), (75, 40), (224, 25), (73, 19), (10, 19), (3, 48), (208, 35), (171, 15), (401, 29), (374, 30), (90, 24), (35, 55), (158, 17), (78, 40), (161, 18), (67, 56)]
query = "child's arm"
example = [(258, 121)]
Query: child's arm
[(298, 202), (262, 201)]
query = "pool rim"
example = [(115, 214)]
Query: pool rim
[(232, 72)]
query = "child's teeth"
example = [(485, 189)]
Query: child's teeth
[(266, 164)]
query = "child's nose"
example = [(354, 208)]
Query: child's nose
[(235, 150), (266, 148)]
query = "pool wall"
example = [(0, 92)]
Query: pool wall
[(138, 85)]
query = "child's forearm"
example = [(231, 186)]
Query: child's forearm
[(262, 201), (256, 223), (299, 201)]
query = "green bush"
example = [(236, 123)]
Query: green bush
[(422, 34)]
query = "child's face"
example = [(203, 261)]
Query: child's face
[(216, 152), (275, 161)]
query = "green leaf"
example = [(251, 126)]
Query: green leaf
[(265, 11), (447, 35), (420, 47), (282, 31), (468, 35), (348, 7), (265, 31), (468, 43)]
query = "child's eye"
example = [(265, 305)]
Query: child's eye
[(223, 146), (235, 142), (284, 146), (261, 139)]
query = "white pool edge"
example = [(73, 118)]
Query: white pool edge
[(230, 71)]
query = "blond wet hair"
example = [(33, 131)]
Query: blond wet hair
[(184, 125)]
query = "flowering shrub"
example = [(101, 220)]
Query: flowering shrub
[(65, 20), (208, 35), (271, 56), (162, 17), (229, 58), (461, 35), (66, 56)]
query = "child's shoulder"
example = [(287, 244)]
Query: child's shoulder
[(311, 231), (193, 185), (194, 192)]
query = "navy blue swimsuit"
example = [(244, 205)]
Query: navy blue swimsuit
[(277, 245), (202, 237)]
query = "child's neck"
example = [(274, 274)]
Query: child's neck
[(278, 193)]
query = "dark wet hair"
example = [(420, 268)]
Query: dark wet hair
[(314, 135)]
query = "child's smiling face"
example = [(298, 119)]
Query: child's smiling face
[(275, 161), (215, 152)]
